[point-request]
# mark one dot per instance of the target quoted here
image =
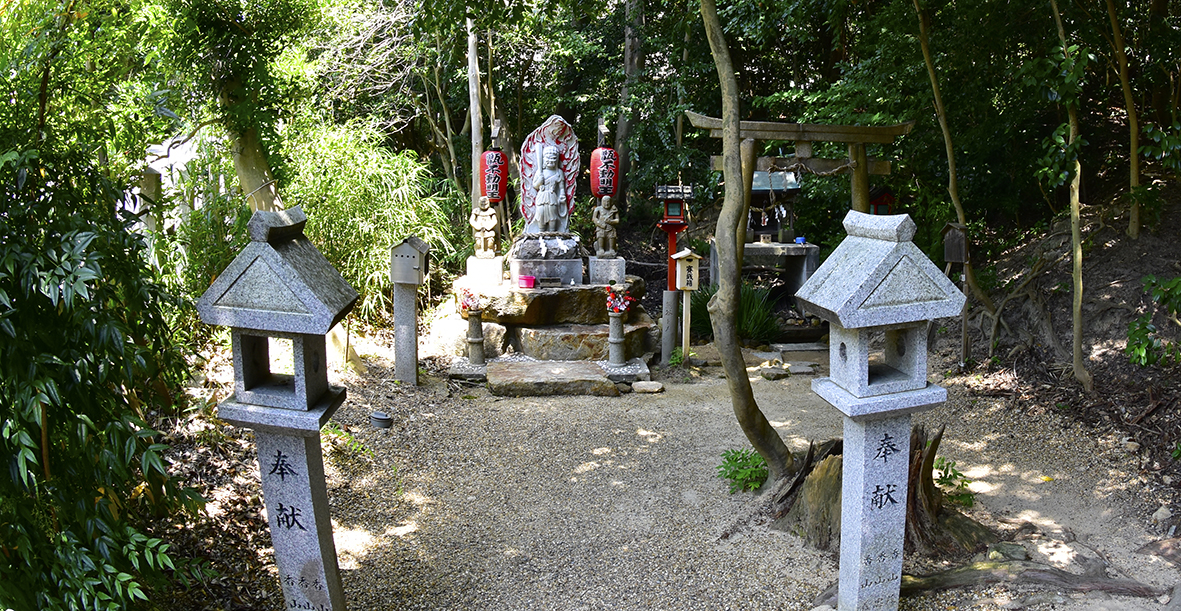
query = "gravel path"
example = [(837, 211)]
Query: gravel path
[(478, 502)]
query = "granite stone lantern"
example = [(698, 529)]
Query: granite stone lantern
[(877, 290), (280, 286)]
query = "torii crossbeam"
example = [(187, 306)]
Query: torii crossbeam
[(804, 134)]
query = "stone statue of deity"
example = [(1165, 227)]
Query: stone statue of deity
[(483, 221), (549, 168), (605, 218)]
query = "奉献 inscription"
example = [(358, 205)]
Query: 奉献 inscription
[(281, 466)]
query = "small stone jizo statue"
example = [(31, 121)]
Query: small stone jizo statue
[(483, 221), (605, 218)]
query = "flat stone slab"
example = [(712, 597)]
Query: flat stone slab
[(802, 347), (463, 369), (648, 387), (531, 378), (632, 371)]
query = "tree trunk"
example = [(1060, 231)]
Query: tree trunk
[(473, 88), (1133, 124), (254, 172), (633, 62), (724, 304), (1080, 369), (952, 178)]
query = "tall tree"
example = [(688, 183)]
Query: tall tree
[(1073, 63), (477, 122), (633, 65), (953, 189), (1121, 56), (724, 304), (226, 48)]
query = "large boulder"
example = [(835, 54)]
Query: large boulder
[(449, 336), (584, 304), (581, 342)]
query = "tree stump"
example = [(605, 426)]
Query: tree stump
[(809, 505)]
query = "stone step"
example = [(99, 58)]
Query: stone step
[(529, 378)]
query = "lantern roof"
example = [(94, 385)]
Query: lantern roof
[(878, 277), (416, 243), (279, 282)]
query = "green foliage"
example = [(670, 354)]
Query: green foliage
[(361, 199), (1145, 347), (1176, 453), (87, 361), (678, 357), (953, 482), (755, 317), (1165, 145), (85, 357), (344, 441), (195, 248), (745, 469)]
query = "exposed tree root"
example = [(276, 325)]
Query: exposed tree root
[(1018, 572)]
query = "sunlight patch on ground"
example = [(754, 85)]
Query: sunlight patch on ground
[(352, 545), (403, 529), (784, 424), (649, 436), (417, 498), (1057, 553), (601, 451), (1107, 349), (586, 467)]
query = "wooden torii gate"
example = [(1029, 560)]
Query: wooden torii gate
[(804, 134)]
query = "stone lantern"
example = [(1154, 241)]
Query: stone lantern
[(877, 290), (280, 286)]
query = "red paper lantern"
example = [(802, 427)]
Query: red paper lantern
[(494, 169), (604, 172)]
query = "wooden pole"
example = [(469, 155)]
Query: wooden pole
[(685, 331), (860, 177)]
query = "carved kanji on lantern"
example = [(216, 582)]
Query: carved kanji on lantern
[(494, 170), (604, 172)]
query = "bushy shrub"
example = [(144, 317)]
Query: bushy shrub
[(86, 359), (755, 318), (361, 198)]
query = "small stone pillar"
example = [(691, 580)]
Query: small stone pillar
[(668, 326), (877, 289), (616, 356), (409, 265), (475, 337), (280, 286)]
